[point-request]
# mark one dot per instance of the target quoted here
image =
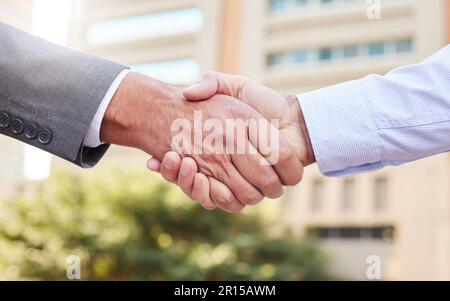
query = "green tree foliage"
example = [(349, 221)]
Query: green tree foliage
[(134, 226)]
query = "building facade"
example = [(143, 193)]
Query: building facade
[(399, 215), (16, 13)]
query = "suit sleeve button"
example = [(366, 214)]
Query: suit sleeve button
[(5, 119), (31, 131), (45, 136), (17, 126)]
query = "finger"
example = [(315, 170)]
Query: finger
[(170, 167), (215, 83), (275, 149), (289, 167), (201, 191), (241, 188), (258, 172), (205, 89), (186, 176), (223, 198), (286, 164), (154, 164)]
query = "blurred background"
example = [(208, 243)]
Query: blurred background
[(127, 224)]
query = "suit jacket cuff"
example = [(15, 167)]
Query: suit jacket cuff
[(92, 139)]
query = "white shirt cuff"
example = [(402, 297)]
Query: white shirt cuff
[(342, 131), (92, 138)]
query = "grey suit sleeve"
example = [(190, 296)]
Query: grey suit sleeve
[(50, 94)]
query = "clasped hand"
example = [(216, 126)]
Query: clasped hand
[(243, 179)]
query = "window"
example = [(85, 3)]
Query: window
[(286, 5), (275, 59), (302, 2), (300, 57), (403, 46), (348, 194), (278, 5), (376, 49), (325, 54), (183, 71), (345, 52), (317, 195), (381, 194), (385, 233), (350, 51), (146, 26)]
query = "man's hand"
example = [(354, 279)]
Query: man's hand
[(267, 102), (141, 115)]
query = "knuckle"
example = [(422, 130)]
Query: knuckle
[(238, 112), (286, 154), (295, 179), (228, 203), (236, 208), (272, 186), (251, 198), (272, 182), (216, 166), (243, 79), (208, 74), (224, 201)]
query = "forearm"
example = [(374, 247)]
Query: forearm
[(364, 125), (301, 142), (139, 100), (55, 91)]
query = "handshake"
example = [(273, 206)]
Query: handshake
[(227, 141)]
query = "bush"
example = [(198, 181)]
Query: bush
[(133, 226)]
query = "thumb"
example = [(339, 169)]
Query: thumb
[(203, 90)]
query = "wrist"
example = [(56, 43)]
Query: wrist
[(310, 157), (307, 153), (116, 124), (140, 112)]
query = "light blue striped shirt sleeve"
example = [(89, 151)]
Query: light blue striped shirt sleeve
[(367, 124)]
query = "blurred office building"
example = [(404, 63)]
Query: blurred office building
[(400, 216), (22, 167), (16, 13)]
